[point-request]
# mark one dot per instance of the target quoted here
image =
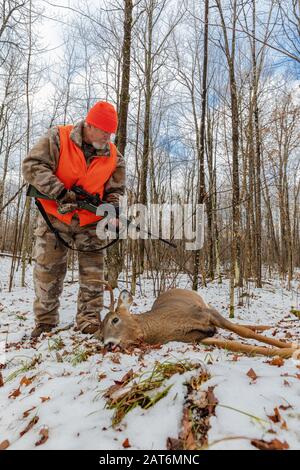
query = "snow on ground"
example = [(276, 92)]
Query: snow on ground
[(61, 397)]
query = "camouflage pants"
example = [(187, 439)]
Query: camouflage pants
[(51, 266)]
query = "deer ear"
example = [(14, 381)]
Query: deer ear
[(125, 299)]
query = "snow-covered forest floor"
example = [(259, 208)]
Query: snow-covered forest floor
[(56, 393)]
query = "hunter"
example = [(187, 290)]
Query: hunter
[(81, 155)]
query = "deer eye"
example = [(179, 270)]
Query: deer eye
[(115, 320)]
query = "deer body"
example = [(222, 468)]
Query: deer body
[(176, 315)]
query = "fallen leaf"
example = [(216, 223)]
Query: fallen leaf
[(276, 361), (4, 445), (283, 407), (276, 418), (173, 444), (101, 376), (26, 382), (1, 380), (15, 393), (31, 390), (275, 444), (187, 435), (43, 399), (126, 444), (44, 433), (252, 374), (211, 400), (27, 412), (284, 425), (29, 425)]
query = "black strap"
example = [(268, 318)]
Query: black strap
[(59, 237)]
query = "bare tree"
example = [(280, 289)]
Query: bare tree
[(229, 48), (200, 141)]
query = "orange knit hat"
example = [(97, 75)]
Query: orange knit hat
[(104, 116)]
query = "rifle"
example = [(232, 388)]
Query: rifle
[(89, 202)]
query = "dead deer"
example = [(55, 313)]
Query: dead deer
[(181, 315)]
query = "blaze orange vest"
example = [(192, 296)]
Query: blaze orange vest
[(73, 170)]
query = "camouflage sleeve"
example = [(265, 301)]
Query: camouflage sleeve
[(41, 163), (115, 186)]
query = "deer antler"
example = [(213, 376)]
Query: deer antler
[(239, 347), (110, 289)]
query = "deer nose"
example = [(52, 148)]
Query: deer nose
[(211, 331), (110, 346)]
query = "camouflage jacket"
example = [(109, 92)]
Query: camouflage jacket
[(40, 165)]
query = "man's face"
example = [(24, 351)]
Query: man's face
[(97, 137)]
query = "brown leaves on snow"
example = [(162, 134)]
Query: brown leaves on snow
[(4, 445), (43, 399), (212, 401), (30, 425), (44, 433), (277, 418), (126, 444), (101, 376), (252, 374), (276, 361), (15, 393), (275, 444), (195, 424), (23, 382), (27, 412), (187, 434)]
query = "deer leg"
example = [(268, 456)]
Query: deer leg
[(258, 327), (235, 346), (247, 333)]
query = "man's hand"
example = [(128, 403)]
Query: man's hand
[(67, 202), (68, 198)]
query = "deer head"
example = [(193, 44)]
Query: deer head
[(120, 327)]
